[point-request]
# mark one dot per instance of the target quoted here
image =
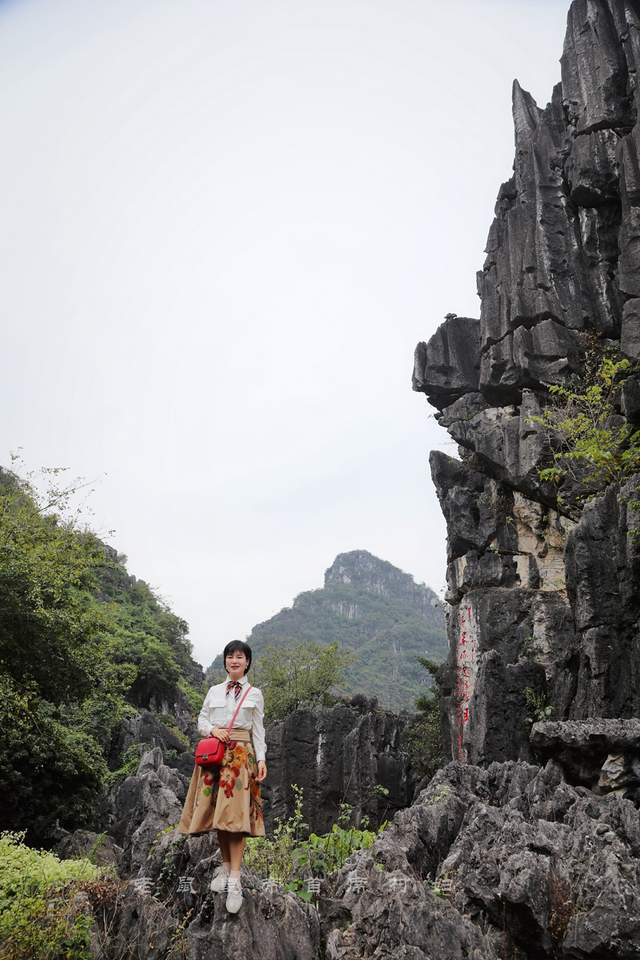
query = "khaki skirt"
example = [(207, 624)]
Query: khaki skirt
[(226, 797)]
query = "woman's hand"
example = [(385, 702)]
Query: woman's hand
[(262, 770), (221, 733)]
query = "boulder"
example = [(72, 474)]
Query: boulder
[(448, 366), (97, 847), (145, 805), (603, 754)]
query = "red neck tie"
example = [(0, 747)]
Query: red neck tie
[(238, 687)]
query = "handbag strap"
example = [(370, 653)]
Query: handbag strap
[(235, 712)]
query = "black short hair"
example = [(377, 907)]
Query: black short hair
[(237, 645)]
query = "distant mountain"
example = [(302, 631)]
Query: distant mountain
[(374, 609)]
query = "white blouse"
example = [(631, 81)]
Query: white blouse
[(217, 711)]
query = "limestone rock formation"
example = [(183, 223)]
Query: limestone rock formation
[(544, 597), (145, 804), (338, 754), (361, 570), (522, 865)]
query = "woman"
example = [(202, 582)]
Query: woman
[(227, 797)]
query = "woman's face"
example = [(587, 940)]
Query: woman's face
[(236, 663)]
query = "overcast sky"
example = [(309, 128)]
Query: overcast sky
[(225, 225)]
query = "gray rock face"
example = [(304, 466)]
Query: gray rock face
[(338, 754), (144, 805), (510, 623), (506, 443), (450, 366), (521, 862), (631, 399), (540, 269), (543, 598), (603, 579), (630, 333), (97, 847), (598, 54)]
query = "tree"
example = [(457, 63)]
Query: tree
[(423, 734), (294, 674), (47, 630)]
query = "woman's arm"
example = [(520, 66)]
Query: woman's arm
[(204, 724), (257, 726)]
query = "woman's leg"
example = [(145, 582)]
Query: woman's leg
[(236, 850), (234, 888), (223, 841)]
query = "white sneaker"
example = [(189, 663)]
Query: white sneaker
[(234, 895), (219, 881)]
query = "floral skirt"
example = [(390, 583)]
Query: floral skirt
[(226, 797)]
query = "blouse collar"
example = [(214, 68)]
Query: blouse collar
[(242, 680)]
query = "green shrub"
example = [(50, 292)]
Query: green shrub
[(292, 858), (592, 444), (39, 919), (129, 763), (538, 705)]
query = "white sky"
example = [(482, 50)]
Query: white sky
[(225, 225)]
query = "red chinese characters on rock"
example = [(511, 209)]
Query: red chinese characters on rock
[(466, 670)]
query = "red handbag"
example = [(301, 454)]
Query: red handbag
[(210, 751)]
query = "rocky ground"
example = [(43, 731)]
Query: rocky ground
[(507, 860)]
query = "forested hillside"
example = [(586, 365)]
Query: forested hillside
[(374, 610), (82, 646)]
